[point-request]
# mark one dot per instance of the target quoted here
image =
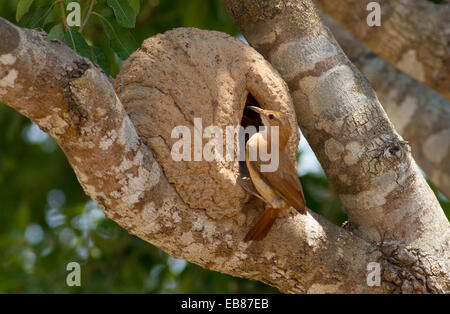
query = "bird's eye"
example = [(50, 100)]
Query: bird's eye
[(271, 116)]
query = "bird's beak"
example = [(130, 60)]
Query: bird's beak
[(257, 109)]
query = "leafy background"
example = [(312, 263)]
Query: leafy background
[(46, 220)]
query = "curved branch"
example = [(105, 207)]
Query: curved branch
[(73, 101), (414, 35), (369, 164), (419, 114)]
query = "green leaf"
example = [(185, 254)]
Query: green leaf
[(136, 5), (22, 8), (101, 59), (121, 40), (124, 13), (195, 13), (36, 18), (23, 216), (13, 128), (56, 32), (74, 40)]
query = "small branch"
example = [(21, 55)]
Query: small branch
[(63, 14), (91, 6)]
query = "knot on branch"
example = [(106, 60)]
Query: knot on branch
[(391, 152), (185, 92), (395, 149), (404, 270)]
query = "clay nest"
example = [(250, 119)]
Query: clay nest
[(188, 73)]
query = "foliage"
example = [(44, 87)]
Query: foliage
[(47, 221)]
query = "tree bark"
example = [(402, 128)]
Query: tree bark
[(419, 114), (72, 100), (385, 196), (414, 35)]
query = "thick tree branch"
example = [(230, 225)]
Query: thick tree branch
[(385, 196), (414, 35), (72, 100), (419, 114)]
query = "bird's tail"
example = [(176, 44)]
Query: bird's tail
[(263, 225)]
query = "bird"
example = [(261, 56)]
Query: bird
[(281, 189)]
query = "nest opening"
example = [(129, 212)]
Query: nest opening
[(249, 117)]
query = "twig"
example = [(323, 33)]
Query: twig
[(63, 12), (87, 16)]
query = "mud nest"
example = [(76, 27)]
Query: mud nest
[(189, 73)]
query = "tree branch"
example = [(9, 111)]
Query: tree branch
[(88, 14), (414, 35), (419, 114), (73, 101), (385, 196), (63, 14)]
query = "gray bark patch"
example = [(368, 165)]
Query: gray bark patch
[(334, 101), (9, 39)]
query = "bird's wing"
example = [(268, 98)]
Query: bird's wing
[(284, 182)]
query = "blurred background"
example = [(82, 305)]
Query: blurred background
[(47, 221)]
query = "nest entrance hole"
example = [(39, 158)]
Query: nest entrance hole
[(249, 117)]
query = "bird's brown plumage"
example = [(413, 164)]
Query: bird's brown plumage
[(284, 182), (282, 188)]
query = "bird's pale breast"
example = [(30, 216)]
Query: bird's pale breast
[(261, 186)]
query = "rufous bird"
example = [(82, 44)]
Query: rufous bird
[(280, 189)]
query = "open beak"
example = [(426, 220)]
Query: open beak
[(257, 109)]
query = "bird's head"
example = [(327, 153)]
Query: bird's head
[(275, 118)]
